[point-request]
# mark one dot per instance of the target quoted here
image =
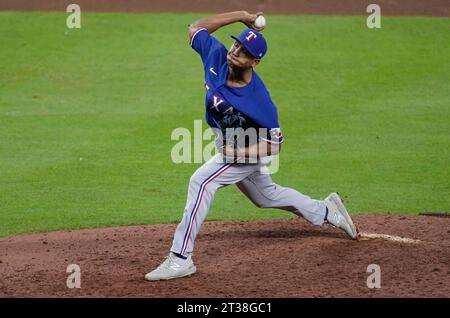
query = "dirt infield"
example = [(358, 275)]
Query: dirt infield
[(327, 7), (280, 258)]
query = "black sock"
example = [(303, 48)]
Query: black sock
[(179, 255), (326, 214)]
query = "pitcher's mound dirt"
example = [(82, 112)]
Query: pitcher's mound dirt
[(280, 258)]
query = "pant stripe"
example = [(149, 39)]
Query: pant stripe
[(197, 203)]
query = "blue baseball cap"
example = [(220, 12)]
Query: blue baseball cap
[(253, 41)]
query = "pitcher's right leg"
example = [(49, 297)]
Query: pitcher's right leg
[(264, 193)]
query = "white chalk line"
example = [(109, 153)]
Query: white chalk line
[(389, 238)]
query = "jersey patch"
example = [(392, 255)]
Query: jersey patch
[(274, 136)]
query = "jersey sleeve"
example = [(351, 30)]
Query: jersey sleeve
[(204, 43), (272, 132)]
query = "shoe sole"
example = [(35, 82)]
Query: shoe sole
[(338, 202), (191, 272)]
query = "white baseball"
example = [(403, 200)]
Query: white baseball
[(260, 22)]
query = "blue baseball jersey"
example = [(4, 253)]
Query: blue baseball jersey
[(252, 101)]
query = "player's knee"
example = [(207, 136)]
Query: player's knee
[(271, 193), (198, 178), (259, 204), (195, 180)]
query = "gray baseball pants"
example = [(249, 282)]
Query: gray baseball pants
[(257, 186)]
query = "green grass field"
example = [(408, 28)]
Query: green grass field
[(86, 116)]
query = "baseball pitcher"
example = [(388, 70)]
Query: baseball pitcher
[(236, 97)]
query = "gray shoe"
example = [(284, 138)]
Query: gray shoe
[(173, 267), (338, 215)]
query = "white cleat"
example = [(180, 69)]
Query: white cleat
[(172, 267), (338, 215)]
